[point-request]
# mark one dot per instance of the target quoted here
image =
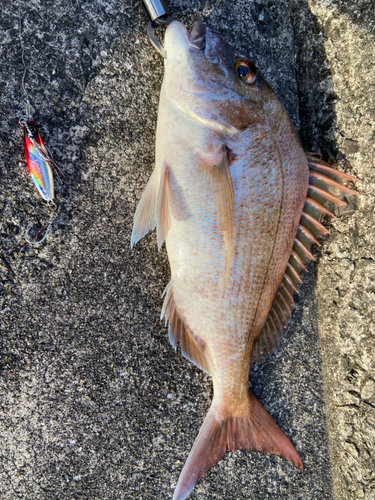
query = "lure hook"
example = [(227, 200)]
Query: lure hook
[(44, 231), (158, 14)]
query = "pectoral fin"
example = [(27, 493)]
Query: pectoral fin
[(153, 208), (163, 215), (221, 184), (226, 212)]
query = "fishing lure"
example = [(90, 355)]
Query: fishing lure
[(39, 160), (40, 164)]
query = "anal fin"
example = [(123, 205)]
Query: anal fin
[(192, 346)]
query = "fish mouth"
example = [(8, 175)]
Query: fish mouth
[(197, 36)]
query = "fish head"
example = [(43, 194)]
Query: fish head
[(213, 83)]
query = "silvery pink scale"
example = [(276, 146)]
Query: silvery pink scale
[(238, 203)]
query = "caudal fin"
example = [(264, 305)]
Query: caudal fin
[(255, 430)]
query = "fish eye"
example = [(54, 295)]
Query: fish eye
[(32, 129), (246, 71)]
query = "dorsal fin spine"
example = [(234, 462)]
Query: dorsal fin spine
[(305, 235), (268, 337), (284, 306), (293, 274), (323, 197), (296, 261), (271, 328), (317, 208), (315, 227), (316, 163), (289, 285), (321, 180), (286, 293), (276, 319), (302, 251)]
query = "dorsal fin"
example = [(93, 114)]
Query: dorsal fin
[(192, 347), (324, 191)]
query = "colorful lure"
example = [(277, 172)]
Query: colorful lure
[(38, 161)]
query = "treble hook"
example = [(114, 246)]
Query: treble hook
[(158, 14), (44, 230)]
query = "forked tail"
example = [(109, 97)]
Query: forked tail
[(256, 430)]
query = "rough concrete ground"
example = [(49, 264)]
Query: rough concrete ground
[(94, 402), (336, 74)]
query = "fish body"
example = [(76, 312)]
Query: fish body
[(230, 186)]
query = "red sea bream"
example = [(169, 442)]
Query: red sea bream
[(238, 203)]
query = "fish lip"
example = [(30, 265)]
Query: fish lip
[(197, 36)]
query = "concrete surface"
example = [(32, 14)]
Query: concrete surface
[(336, 75), (94, 403)]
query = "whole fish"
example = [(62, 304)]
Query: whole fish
[(238, 203)]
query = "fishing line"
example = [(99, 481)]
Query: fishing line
[(28, 107)]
